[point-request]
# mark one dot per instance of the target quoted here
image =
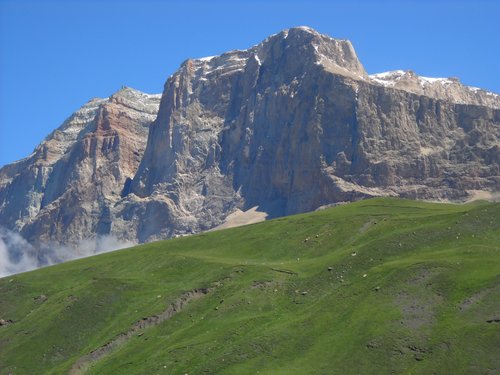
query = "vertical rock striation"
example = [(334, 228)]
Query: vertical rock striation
[(288, 125), (295, 123), (65, 190)]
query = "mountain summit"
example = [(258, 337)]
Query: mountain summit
[(288, 125)]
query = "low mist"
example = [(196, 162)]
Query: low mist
[(18, 255)]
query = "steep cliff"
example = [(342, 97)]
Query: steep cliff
[(295, 123), (288, 125), (63, 191)]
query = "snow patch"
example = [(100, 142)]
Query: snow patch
[(429, 80), (388, 79), (207, 58), (392, 77), (388, 75)]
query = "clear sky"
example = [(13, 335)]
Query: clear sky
[(56, 55)]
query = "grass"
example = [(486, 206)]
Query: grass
[(410, 290)]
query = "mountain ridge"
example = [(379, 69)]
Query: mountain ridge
[(111, 130), (288, 125)]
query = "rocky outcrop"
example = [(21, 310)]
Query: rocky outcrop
[(65, 190), (289, 125), (449, 89), (295, 123)]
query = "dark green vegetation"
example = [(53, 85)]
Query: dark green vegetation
[(379, 286)]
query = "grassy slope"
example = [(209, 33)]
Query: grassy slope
[(436, 267)]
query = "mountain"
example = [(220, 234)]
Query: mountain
[(380, 286), (289, 125), (64, 191), (295, 123)]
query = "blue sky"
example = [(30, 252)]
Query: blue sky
[(56, 55)]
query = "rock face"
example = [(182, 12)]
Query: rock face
[(289, 125), (65, 190), (295, 123)]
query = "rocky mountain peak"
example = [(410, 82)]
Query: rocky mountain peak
[(293, 51), (79, 169), (288, 125), (136, 100), (302, 46)]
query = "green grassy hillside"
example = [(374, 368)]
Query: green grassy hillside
[(375, 287)]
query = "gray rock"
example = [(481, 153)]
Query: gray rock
[(289, 125), (295, 123), (65, 190)]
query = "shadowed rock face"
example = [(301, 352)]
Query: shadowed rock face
[(288, 125)]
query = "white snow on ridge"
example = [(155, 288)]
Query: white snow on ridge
[(207, 58), (434, 80), (306, 28), (440, 87), (388, 78), (392, 77), (388, 74), (226, 63)]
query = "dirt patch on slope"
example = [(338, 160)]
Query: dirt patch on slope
[(477, 297), (178, 305), (418, 301), (417, 311), (239, 218)]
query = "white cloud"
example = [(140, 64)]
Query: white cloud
[(18, 255)]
